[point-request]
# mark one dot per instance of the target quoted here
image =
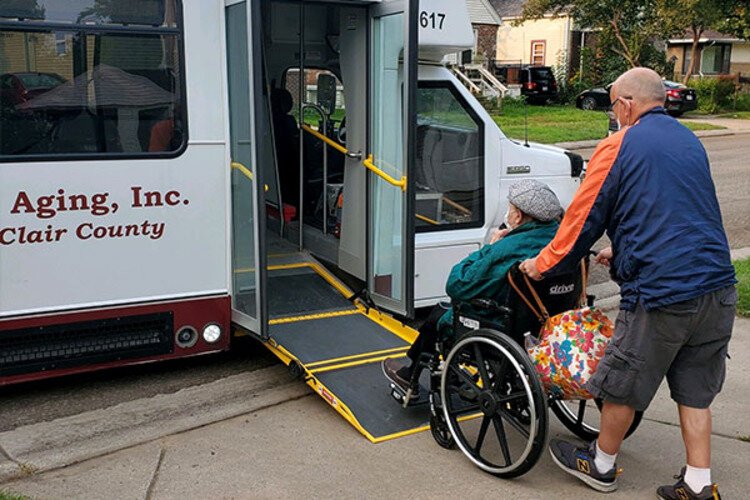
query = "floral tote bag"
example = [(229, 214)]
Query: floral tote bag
[(569, 346)]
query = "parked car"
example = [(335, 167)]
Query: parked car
[(537, 84), (679, 98), (17, 88)]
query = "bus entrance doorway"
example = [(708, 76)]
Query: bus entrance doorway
[(310, 134)]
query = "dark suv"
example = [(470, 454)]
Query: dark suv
[(537, 84)]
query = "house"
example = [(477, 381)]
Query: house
[(717, 54), (485, 21), (550, 41)]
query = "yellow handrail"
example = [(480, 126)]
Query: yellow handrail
[(246, 172), (390, 180), (427, 219), (335, 145), (367, 162)]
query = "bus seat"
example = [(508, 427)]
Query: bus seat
[(286, 135)]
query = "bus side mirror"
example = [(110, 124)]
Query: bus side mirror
[(327, 93)]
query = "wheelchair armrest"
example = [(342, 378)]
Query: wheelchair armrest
[(491, 305)]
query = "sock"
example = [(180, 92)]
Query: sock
[(697, 478), (604, 462)]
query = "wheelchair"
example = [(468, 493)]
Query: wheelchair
[(484, 395)]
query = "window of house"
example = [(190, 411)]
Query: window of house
[(450, 160), (95, 79), (538, 49), (715, 59), (687, 57), (61, 43)]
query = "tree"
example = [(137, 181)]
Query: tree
[(24, 9), (737, 22), (695, 17), (630, 25)]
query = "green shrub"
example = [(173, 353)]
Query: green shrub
[(742, 268), (742, 102), (714, 94)]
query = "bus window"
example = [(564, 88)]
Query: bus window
[(107, 82), (450, 160), (291, 83)]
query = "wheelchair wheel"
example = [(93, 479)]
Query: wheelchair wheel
[(582, 418), (494, 404), (441, 433)]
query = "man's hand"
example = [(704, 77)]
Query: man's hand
[(529, 268), (604, 257), (498, 234)]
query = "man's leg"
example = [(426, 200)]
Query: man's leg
[(695, 378), (616, 419), (695, 424)]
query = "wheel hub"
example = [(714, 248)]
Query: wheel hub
[(488, 403)]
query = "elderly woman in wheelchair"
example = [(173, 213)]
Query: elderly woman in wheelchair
[(482, 390)]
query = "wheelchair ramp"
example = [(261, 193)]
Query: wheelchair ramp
[(337, 347)]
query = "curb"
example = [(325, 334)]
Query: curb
[(52, 445), (572, 146)]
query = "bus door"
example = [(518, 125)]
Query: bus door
[(391, 154), (248, 119)]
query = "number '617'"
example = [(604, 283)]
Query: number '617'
[(432, 20)]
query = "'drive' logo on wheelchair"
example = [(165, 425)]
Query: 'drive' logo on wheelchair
[(561, 289)]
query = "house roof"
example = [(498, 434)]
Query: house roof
[(482, 12), (706, 36), (508, 8)]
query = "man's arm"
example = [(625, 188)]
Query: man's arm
[(586, 218)]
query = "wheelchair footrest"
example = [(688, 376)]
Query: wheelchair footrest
[(399, 395)]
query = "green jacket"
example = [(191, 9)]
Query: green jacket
[(482, 273)]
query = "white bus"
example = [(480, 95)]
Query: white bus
[(173, 170)]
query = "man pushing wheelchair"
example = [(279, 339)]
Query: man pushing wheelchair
[(649, 187)]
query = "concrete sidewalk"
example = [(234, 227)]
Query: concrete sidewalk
[(302, 447), (732, 127)]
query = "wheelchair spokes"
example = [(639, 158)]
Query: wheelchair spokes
[(582, 417), (493, 408)]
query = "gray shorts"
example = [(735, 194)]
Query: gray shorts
[(686, 342)]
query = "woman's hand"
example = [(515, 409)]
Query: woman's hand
[(498, 234)]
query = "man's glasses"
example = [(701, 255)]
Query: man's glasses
[(611, 107)]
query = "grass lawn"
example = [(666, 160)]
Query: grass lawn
[(4, 495), (742, 267), (555, 123), (741, 115)]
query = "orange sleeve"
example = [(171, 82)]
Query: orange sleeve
[(581, 225)]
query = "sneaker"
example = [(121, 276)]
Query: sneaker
[(579, 462), (398, 373), (681, 491)]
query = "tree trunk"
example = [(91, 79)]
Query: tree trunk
[(626, 53), (693, 53)]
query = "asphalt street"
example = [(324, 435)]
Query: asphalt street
[(48, 400)]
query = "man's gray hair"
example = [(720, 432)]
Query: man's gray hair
[(643, 85)]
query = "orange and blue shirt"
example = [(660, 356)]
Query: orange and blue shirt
[(649, 187)]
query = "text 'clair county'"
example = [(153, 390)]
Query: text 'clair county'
[(48, 207)]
